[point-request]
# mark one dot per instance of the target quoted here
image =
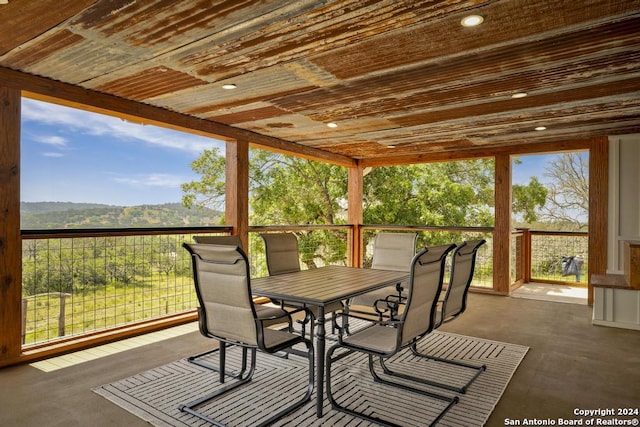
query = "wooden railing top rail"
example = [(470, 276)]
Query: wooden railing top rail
[(130, 231), (272, 228), (550, 233), (425, 228), (107, 232)]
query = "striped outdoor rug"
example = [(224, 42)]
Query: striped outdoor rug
[(154, 395)]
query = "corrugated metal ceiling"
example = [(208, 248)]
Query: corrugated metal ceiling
[(389, 73)]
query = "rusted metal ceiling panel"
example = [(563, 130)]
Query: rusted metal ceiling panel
[(259, 86), (76, 60), (25, 20), (500, 73), (149, 83), (506, 21), (388, 72), (43, 48), (560, 115), (259, 113), (168, 23), (530, 102), (305, 28)]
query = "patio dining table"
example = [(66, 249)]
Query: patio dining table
[(319, 287)]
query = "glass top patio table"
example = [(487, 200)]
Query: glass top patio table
[(320, 287)]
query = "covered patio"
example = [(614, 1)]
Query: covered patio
[(360, 85), (571, 364)]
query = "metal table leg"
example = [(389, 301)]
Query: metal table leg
[(320, 340)]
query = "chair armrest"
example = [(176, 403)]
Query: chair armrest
[(286, 313), (390, 304), (341, 330)]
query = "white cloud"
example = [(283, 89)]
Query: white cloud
[(52, 154), (87, 123), (57, 141), (152, 180)]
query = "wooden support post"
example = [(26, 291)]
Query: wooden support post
[(502, 227), (237, 189), (10, 240), (355, 190), (598, 209)]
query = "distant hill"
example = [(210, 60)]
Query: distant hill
[(61, 215), (43, 207)]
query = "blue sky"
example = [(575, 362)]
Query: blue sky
[(532, 165), (70, 155)]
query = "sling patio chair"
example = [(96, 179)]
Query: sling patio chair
[(391, 251), (283, 256), (387, 337), (277, 315), (227, 313), (453, 304)]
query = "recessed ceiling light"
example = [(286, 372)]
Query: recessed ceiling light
[(4, 1), (471, 20), (541, 128), (390, 146), (332, 125), (229, 86), (519, 95)]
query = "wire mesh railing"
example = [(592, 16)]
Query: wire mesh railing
[(317, 245), (84, 281), (77, 282), (429, 236), (559, 257)]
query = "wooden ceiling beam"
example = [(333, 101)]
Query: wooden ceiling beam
[(48, 90)]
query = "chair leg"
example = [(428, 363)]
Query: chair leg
[(221, 368), (450, 401), (462, 390), (191, 407)]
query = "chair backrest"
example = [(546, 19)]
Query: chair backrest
[(462, 268), (394, 251), (425, 284), (233, 240), (221, 278), (281, 250)]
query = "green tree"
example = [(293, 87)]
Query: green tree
[(291, 190), (527, 199), (435, 194), (286, 190), (209, 190)]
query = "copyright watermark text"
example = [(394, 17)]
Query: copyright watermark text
[(584, 417)]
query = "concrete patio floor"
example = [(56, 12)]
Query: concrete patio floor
[(571, 365)]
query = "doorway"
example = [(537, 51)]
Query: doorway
[(550, 221)]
